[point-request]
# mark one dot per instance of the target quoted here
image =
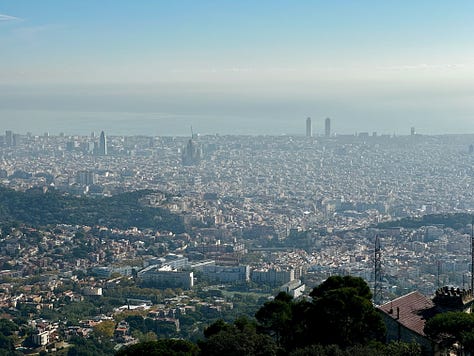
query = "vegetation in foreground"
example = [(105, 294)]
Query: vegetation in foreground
[(338, 320)]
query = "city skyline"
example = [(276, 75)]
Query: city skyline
[(237, 66)]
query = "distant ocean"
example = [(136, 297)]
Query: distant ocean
[(151, 124), (171, 111), (73, 122), (39, 122)]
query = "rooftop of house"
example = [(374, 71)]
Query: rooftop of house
[(410, 310)]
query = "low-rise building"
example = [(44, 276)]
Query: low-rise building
[(161, 278), (227, 274)]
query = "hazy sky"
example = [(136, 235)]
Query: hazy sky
[(241, 66)]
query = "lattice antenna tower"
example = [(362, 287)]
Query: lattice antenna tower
[(377, 272), (438, 273)]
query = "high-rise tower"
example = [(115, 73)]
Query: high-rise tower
[(102, 144), (327, 127), (309, 129), (9, 138)]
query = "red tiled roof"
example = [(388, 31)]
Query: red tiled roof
[(413, 310)]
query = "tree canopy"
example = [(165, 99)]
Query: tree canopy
[(237, 339), (161, 347), (453, 220), (452, 327), (124, 210), (340, 313)]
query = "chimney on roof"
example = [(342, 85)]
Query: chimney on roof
[(398, 313)]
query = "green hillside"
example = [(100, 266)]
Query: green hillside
[(125, 210)]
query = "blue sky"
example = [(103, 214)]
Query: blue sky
[(370, 65)]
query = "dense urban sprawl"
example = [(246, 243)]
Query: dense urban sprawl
[(260, 214)]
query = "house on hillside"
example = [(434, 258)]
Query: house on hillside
[(405, 317)]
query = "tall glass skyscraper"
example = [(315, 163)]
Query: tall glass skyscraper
[(309, 129), (327, 127)]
